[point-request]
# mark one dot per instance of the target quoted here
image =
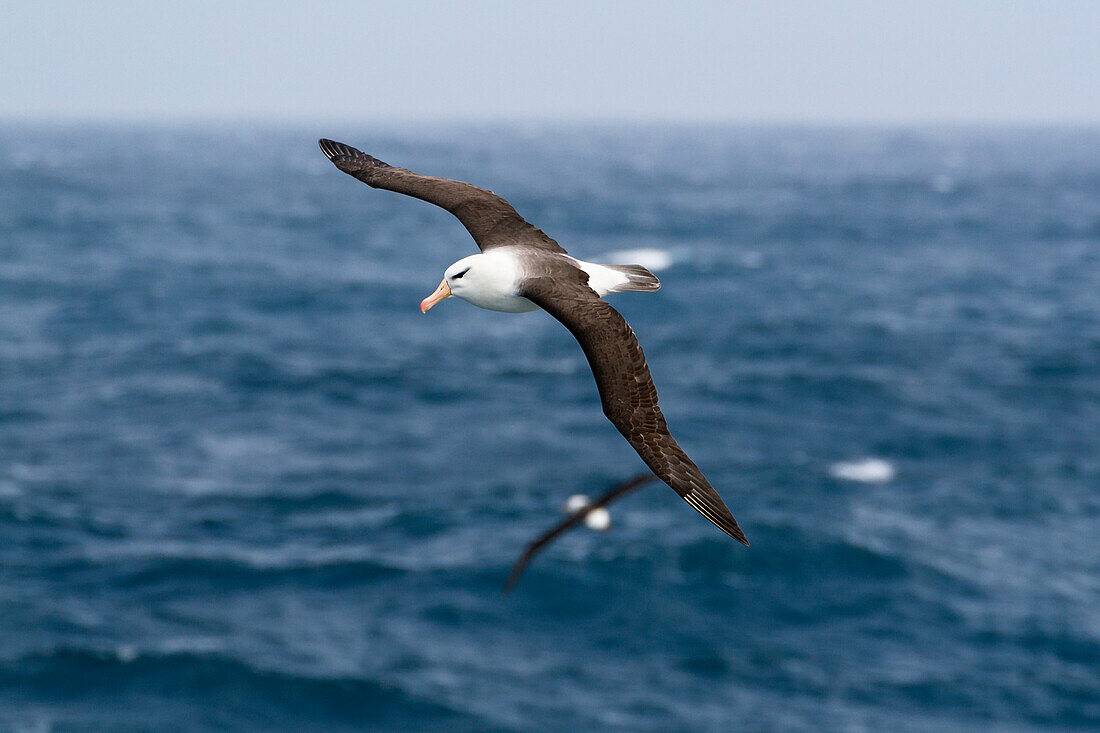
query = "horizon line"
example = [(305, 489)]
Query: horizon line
[(549, 120)]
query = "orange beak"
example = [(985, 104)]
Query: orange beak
[(441, 293)]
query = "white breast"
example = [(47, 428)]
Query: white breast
[(499, 301)]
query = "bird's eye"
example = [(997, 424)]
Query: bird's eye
[(460, 274)]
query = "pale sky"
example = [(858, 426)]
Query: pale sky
[(878, 61)]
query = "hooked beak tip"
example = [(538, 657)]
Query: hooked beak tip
[(441, 293)]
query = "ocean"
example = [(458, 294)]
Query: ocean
[(246, 485)]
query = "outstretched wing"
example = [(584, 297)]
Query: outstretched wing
[(569, 523), (491, 220), (626, 387)]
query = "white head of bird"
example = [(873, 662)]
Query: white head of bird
[(487, 280)]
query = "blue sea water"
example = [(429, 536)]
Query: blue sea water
[(246, 485)]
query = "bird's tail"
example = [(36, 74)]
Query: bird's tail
[(637, 278)]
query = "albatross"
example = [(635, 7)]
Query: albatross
[(521, 269)]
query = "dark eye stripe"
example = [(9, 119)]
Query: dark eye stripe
[(456, 276)]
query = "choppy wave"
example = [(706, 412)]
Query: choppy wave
[(209, 691), (245, 484)]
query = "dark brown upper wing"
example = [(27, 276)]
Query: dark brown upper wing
[(626, 388), (491, 220)]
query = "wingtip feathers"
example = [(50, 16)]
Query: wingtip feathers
[(717, 513), (348, 159), (333, 149)]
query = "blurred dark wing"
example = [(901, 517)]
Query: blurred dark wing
[(491, 220), (626, 387), (569, 523)]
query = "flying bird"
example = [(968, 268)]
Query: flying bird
[(576, 517), (521, 269)]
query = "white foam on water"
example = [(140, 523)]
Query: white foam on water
[(752, 260), (868, 471), (9, 489), (943, 184), (651, 258)]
